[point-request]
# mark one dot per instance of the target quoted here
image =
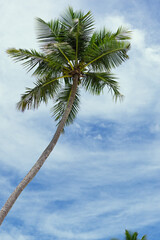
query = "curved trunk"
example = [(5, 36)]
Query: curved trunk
[(34, 170)]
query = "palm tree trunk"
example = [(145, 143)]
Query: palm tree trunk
[(34, 170)]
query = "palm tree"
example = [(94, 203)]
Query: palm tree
[(130, 236), (73, 55)]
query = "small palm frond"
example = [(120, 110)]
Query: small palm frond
[(94, 82), (52, 34), (44, 67), (45, 89), (49, 32), (61, 51), (68, 80), (68, 17), (144, 237), (133, 236), (71, 18), (128, 235), (31, 58), (61, 102), (79, 27), (105, 51), (122, 34)]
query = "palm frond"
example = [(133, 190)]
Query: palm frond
[(128, 235), (61, 103), (71, 19), (30, 58), (49, 32), (63, 52), (105, 51), (33, 59), (42, 68), (144, 237), (131, 236), (52, 34), (134, 236), (94, 82), (122, 34), (45, 89), (79, 27)]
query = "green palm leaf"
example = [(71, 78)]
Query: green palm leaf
[(78, 28), (61, 51), (71, 19), (49, 32), (32, 59), (144, 237), (122, 34), (95, 83), (130, 236), (45, 89), (53, 35), (105, 51), (61, 102)]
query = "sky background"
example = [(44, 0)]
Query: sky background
[(104, 175)]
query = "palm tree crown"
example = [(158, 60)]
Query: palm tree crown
[(69, 47), (132, 236)]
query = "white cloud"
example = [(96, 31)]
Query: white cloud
[(12, 235), (84, 179), (155, 128), (98, 137), (113, 22), (153, 54)]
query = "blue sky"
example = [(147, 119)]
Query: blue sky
[(103, 175)]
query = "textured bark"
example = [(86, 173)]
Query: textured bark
[(34, 170)]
